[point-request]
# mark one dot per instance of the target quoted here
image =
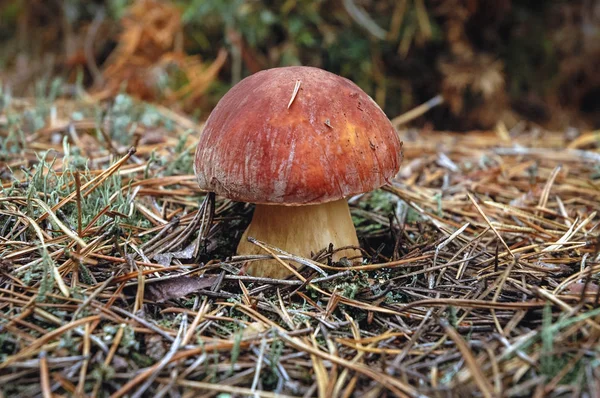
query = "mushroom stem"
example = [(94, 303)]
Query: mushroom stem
[(299, 230)]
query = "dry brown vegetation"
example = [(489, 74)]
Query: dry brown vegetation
[(492, 60), (118, 274)]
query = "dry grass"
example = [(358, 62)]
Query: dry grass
[(117, 275)]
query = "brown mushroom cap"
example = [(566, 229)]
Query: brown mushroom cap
[(333, 141)]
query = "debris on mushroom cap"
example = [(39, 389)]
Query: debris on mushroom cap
[(296, 135)]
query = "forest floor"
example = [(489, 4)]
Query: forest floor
[(118, 275)]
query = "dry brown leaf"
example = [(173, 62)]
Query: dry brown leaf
[(578, 287), (174, 288), (150, 50)]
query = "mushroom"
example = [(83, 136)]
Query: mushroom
[(297, 141)]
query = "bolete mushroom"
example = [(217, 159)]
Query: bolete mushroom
[(296, 141)]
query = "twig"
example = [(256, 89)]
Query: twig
[(474, 367), (418, 111), (294, 93), (363, 19)]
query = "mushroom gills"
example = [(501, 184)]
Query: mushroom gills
[(299, 230)]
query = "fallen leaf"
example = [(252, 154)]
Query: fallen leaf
[(185, 254), (577, 288), (177, 287)]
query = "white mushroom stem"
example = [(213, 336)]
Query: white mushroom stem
[(299, 230)]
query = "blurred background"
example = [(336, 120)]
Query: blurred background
[(494, 61)]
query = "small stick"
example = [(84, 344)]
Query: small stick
[(471, 362), (109, 356), (85, 362), (78, 198), (489, 223), (296, 89), (44, 376), (93, 296), (418, 111), (276, 257)]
